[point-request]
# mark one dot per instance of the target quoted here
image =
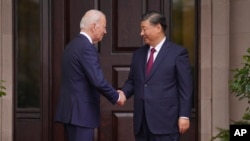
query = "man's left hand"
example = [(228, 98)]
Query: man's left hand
[(183, 125)]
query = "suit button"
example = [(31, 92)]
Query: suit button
[(145, 85)]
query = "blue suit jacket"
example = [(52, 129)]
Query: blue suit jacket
[(166, 93), (82, 80)]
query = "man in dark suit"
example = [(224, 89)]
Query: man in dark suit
[(82, 80), (161, 81)]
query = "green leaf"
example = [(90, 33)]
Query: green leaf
[(248, 50), (2, 93), (223, 135), (2, 88)]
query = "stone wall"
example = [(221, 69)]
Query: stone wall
[(6, 70)]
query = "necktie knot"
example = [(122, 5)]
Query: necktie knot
[(152, 50)]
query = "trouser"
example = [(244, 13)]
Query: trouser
[(146, 135), (79, 133)]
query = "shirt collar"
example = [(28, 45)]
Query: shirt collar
[(158, 46), (88, 37)]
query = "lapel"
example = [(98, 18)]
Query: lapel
[(143, 61), (158, 60)]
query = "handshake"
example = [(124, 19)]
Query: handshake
[(122, 98)]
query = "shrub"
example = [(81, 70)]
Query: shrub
[(240, 87)]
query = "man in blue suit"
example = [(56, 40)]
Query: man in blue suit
[(83, 81), (161, 81)]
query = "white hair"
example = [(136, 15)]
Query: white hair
[(90, 17)]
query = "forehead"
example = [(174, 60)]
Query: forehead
[(102, 20)]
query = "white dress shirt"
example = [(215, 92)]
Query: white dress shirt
[(157, 48), (88, 37)]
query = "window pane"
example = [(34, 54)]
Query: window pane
[(184, 25), (28, 53)]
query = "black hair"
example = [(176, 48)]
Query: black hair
[(155, 18)]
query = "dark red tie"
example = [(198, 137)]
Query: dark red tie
[(150, 61)]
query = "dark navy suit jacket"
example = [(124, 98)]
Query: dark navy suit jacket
[(166, 93), (82, 80)]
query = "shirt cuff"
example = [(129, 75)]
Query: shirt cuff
[(118, 98), (185, 117)]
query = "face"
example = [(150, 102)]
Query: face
[(150, 33), (100, 29)]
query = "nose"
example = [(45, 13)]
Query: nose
[(142, 33)]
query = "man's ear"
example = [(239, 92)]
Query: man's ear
[(159, 27), (93, 27)]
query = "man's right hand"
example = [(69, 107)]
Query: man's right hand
[(122, 98)]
